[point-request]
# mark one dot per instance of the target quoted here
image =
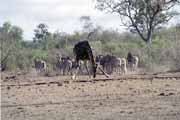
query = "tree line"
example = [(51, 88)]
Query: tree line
[(19, 53)]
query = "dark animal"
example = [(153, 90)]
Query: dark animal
[(67, 65), (109, 63), (129, 58), (64, 65), (98, 58), (40, 65), (132, 61), (83, 51), (2, 67)]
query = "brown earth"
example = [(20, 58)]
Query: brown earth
[(127, 97)]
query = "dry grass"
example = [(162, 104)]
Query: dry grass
[(129, 99)]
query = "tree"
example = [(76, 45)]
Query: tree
[(61, 39), (41, 32), (87, 23), (10, 38), (42, 36), (140, 16)]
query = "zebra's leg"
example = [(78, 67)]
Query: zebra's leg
[(63, 71), (87, 69), (81, 69), (70, 70), (75, 73), (118, 69)]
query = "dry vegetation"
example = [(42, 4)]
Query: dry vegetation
[(127, 97)]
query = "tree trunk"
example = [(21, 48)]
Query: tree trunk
[(149, 53), (149, 37), (149, 41)]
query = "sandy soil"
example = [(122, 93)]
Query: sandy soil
[(129, 97)]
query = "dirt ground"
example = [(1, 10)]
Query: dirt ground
[(126, 97)]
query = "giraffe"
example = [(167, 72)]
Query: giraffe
[(83, 51)]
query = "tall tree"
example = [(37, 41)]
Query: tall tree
[(42, 36), (140, 16), (41, 32)]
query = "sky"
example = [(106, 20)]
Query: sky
[(62, 15)]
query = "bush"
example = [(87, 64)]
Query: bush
[(39, 54)]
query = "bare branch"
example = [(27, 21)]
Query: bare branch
[(142, 15)]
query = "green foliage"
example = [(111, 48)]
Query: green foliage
[(10, 39), (43, 38), (159, 43), (41, 32), (164, 50), (69, 50), (39, 54), (97, 47)]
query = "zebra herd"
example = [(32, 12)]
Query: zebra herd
[(119, 65), (109, 63)]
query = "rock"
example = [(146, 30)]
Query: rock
[(162, 94), (171, 94), (8, 87), (100, 103), (59, 84)]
